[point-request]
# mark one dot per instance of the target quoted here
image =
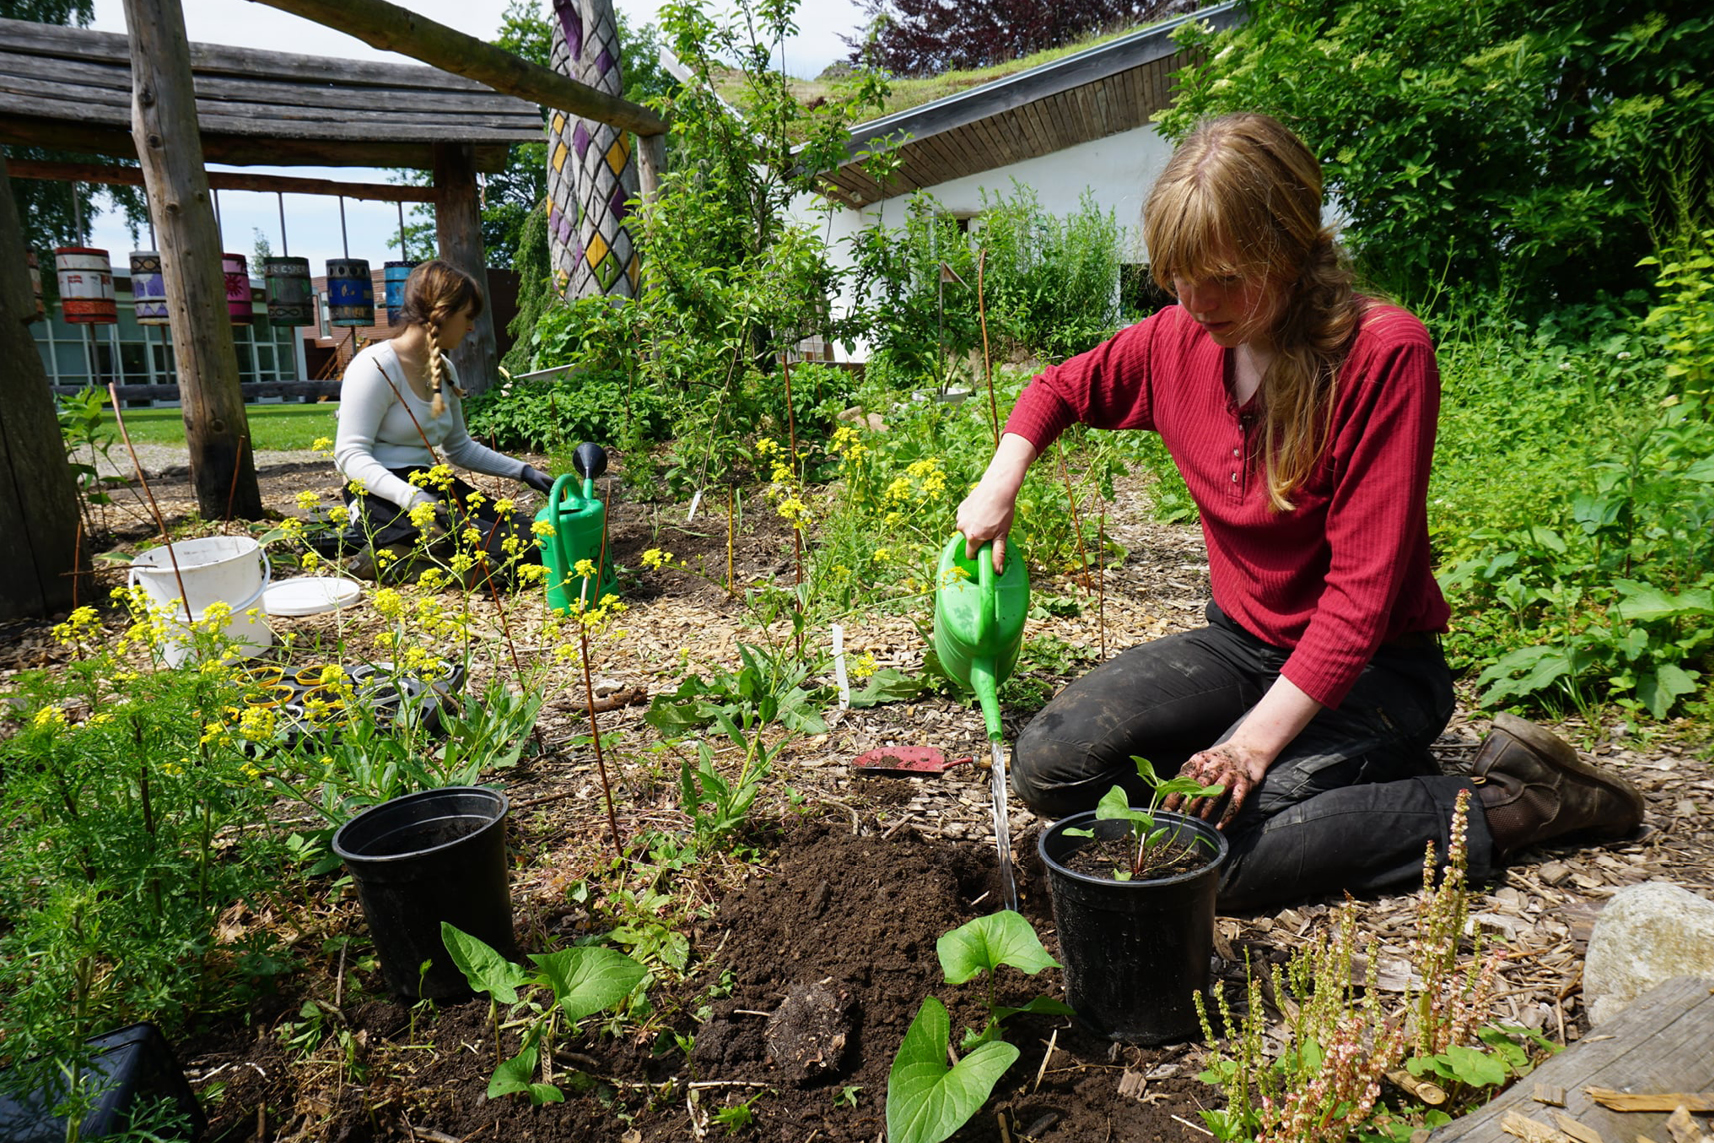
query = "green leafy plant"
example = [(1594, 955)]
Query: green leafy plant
[(1152, 841), (928, 1097), (580, 982), (1338, 1043)]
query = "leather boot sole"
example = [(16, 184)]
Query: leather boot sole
[(1563, 756)]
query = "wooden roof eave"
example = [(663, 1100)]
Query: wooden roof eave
[(69, 88), (967, 122)]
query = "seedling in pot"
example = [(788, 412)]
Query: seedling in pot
[(1151, 839), (583, 980)]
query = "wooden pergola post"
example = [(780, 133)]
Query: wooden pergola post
[(458, 230), (38, 494), (169, 144)]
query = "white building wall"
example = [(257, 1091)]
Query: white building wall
[(1119, 169)]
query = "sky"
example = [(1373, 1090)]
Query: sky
[(312, 221)]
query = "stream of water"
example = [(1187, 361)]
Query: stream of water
[(1002, 824)]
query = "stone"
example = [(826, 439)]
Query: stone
[(1645, 936)]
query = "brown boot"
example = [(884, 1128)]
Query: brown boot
[(1533, 788)]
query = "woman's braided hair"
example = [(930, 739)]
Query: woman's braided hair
[(434, 292), (1242, 196)]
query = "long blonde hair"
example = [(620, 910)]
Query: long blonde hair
[(1242, 195), (435, 291)]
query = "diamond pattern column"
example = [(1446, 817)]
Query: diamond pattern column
[(591, 168)]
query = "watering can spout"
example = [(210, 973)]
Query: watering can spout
[(987, 689)]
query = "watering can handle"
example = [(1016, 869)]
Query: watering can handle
[(554, 498), (987, 613)]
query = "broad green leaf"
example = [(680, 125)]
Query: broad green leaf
[(986, 943), (926, 1100), (1040, 1006), (588, 980), (1474, 1067), (888, 684), (1660, 688), (516, 1075), (486, 970), (1115, 805)]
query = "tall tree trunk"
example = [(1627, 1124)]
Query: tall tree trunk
[(38, 494), (592, 171)]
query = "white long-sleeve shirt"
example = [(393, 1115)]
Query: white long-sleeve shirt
[(376, 433)]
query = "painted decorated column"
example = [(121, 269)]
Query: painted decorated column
[(591, 169)]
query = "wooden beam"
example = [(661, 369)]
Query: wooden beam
[(651, 163), (109, 175), (38, 494), (164, 129), (393, 28), (458, 229)]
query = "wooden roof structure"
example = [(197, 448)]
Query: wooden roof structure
[(70, 88), (1112, 87)]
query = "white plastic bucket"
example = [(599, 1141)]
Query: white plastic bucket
[(250, 635), (213, 569)]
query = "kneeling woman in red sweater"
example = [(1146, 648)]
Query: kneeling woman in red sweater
[(1302, 416)]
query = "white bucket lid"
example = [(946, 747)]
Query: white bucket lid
[(310, 595)]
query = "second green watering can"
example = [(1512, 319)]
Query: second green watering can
[(579, 522), (979, 621)]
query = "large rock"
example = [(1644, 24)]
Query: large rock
[(1647, 935)]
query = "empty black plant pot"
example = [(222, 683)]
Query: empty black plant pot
[(1135, 952), (438, 855)]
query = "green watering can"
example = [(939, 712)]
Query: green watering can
[(579, 523), (979, 621)]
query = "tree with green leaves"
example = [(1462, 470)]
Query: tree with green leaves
[(1530, 148), (48, 210)]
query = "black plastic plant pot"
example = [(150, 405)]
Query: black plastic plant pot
[(132, 1070), (1135, 952), (438, 855)]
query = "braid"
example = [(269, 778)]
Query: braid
[(437, 380)]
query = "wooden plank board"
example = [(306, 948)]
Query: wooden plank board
[(110, 47), (1663, 1042), (269, 90)]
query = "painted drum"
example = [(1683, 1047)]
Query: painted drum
[(291, 297), (350, 292), (35, 283), (86, 285), (236, 269), (148, 287), (397, 274)]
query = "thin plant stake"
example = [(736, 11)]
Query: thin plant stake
[(595, 735), (160, 521), (731, 532), (1076, 525), (232, 491), (1101, 578), (987, 363)]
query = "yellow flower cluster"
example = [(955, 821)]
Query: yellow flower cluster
[(307, 500), (322, 445), (863, 666), (78, 626), (848, 445), (389, 603), (440, 476), (654, 559)]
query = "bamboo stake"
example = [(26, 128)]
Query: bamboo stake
[(1101, 578), (987, 363), (1076, 525)]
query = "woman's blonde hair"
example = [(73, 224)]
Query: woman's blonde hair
[(435, 291), (1242, 196)]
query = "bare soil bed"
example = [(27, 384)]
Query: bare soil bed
[(837, 915)]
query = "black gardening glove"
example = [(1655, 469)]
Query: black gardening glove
[(537, 479)]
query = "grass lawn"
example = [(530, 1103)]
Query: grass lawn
[(272, 427)]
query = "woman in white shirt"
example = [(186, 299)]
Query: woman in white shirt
[(400, 403)]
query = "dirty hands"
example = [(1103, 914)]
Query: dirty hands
[(1228, 765), (986, 514)]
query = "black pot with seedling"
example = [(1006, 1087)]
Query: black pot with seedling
[(1133, 902)]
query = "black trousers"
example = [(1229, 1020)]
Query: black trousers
[(1349, 805)]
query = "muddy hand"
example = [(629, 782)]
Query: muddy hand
[(1222, 765)]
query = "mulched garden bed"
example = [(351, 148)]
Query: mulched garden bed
[(843, 907)]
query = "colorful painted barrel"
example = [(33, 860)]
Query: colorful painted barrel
[(236, 268), (35, 282), (397, 274), (291, 297), (350, 292), (148, 287), (86, 285)]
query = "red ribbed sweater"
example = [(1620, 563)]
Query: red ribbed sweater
[(1345, 570)]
